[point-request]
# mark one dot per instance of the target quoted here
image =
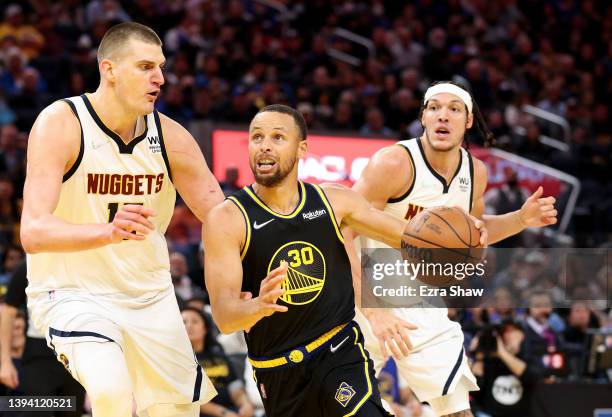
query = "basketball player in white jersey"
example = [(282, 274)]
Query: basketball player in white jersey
[(434, 170), (103, 171)]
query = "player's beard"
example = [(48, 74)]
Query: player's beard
[(271, 180), (441, 149)]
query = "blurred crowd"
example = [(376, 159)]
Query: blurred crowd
[(358, 66)]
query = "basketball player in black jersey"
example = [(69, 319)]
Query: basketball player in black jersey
[(276, 268)]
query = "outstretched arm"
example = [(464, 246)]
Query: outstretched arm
[(354, 211), (223, 236), (388, 174), (537, 211), (357, 213)]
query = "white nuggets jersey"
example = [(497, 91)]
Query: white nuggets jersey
[(428, 188), (108, 174)]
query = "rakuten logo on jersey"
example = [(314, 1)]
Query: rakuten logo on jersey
[(332, 168), (313, 214)]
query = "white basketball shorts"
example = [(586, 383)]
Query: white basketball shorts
[(150, 332)]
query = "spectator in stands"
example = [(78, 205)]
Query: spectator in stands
[(534, 265), (15, 343), (109, 10), (183, 287), (28, 38), (15, 64), (40, 373), (232, 400), (503, 307), (29, 97), (13, 255), (375, 124), (342, 119), (505, 199), (173, 104), (505, 377), (530, 146), (230, 184), (185, 230), (11, 156), (541, 341), (580, 319), (9, 212), (403, 110), (7, 115)]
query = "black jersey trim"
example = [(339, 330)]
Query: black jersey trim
[(330, 210), (76, 164), (409, 190), (247, 239), (64, 333), (302, 191), (453, 373), (198, 384), (435, 173), (161, 142), (471, 163), (123, 147)]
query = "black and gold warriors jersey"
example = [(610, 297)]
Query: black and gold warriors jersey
[(318, 289)]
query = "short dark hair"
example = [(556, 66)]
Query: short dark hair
[(119, 34), (297, 117)]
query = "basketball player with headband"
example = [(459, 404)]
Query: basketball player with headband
[(403, 179)]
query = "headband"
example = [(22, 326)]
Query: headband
[(450, 89)]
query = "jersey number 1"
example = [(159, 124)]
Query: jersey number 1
[(114, 207)]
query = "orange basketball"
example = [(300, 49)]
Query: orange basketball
[(443, 239)]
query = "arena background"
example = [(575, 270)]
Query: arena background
[(357, 70)]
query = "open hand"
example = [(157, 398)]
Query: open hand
[(391, 332), (270, 290)]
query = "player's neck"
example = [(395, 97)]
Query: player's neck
[(282, 198), (113, 115), (444, 163)]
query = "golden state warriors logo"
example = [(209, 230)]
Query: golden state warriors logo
[(344, 394), (64, 360), (305, 274)]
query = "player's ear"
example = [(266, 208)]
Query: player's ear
[(302, 148), (107, 70), (422, 117), (470, 121)]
